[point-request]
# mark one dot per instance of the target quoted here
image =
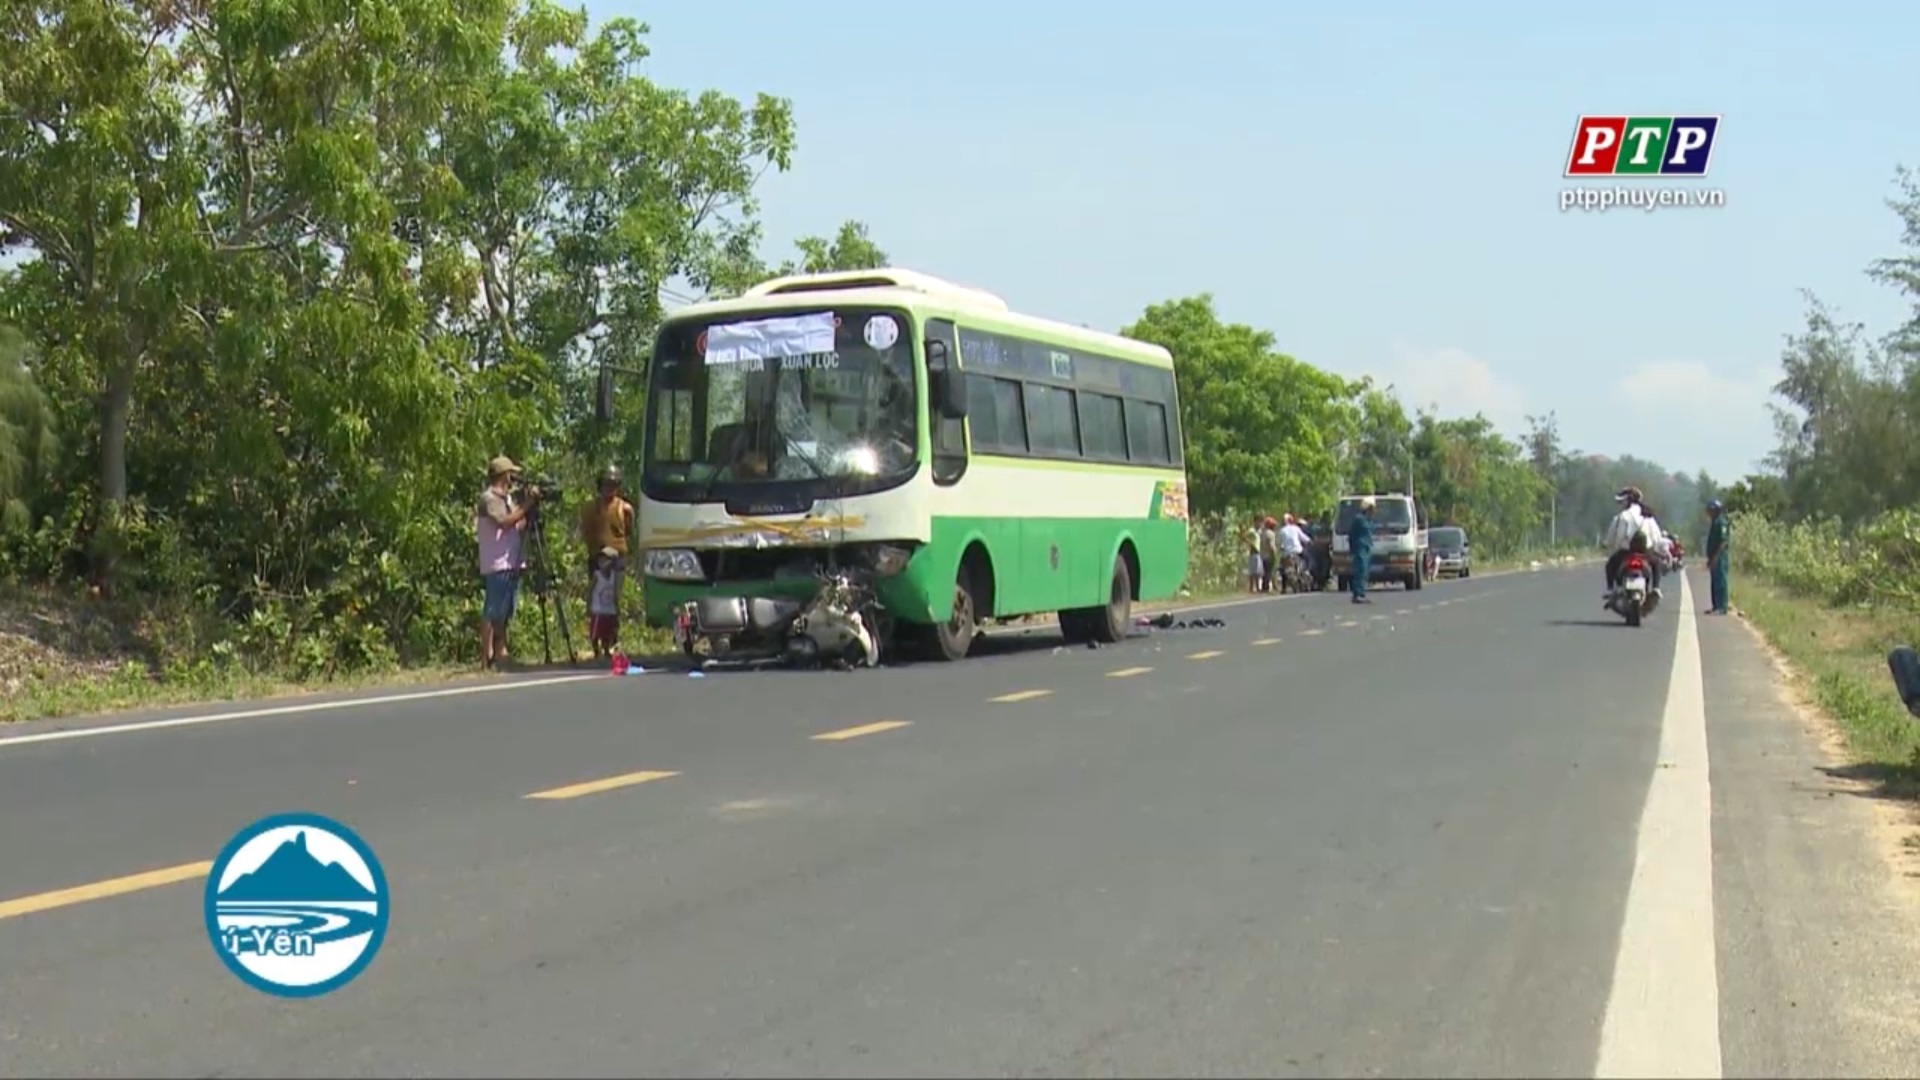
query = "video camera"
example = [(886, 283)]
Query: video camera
[(535, 489)]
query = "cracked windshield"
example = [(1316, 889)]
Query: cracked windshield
[(822, 395)]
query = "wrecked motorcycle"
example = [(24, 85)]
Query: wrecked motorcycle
[(842, 625)]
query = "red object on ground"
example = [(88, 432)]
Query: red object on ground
[(619, 663)]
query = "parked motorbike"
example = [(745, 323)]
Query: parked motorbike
[(1293, 574), (842, 625), (1633, 599)]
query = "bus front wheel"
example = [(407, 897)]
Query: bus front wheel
[(953, 639)]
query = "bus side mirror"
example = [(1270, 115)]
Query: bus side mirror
[(603, 397), (948, 397)]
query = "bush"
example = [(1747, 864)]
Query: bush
[(1875, 564)]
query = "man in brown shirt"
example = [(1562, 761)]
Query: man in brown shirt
[(606, 521)]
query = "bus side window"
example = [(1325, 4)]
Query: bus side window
[(949, 435)]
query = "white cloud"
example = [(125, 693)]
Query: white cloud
[(1455, 382), (1689, 415), (1670, 388)]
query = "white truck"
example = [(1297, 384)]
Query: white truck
[(1401, 551)]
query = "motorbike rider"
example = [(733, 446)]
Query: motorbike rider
[(1659, 540), (1630, 528), (1294, 542)]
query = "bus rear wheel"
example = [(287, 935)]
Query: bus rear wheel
[(1109, 623)]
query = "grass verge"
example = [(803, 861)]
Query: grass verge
[(63, 654), (1840, 654)]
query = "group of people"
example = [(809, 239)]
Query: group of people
[(501, 516), (504, 509), (1635, 529), (1271, 546)]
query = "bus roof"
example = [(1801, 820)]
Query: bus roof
[(924, 293)]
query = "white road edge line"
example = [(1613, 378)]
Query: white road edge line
[(1663, 1013), (284, 710)]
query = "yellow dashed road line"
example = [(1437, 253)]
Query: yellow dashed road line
[(1268, 641), (1020, 695), (1207, 655), (595, 787), (864, 729), (1128, 672), (100, 890)]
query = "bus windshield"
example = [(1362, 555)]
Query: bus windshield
[(785, 396)]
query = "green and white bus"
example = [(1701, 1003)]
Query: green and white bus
[(984, 464)]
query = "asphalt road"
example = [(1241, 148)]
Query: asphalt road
[(1467, 831)]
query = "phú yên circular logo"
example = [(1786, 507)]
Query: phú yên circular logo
[(296, 905)]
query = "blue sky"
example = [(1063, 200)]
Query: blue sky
[(1378, 187)]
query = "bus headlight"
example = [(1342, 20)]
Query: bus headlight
[(889, 560), (674, 564)]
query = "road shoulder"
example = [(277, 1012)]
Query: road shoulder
[(1818, 908)]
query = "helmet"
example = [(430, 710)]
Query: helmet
[(1270, 523), (610, 474), (1628, 494)]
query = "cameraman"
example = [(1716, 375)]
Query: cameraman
[(499, 526), (606, 521)]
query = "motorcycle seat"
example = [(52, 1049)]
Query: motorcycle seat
[(767, 614), (735, 614)]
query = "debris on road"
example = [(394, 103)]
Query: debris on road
[(1166, 621)]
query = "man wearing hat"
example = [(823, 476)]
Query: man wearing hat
[(1719, 534), (499, 524), (606, 524), (1360, 550)]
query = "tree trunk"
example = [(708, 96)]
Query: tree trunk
[(116, 412)]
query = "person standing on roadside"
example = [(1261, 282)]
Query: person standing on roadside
[(606, 521), (499, 526), (1269, 554), (1256, 568), (1719, 535), (1360, 550)]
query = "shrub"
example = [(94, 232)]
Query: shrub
[(1876, 563)]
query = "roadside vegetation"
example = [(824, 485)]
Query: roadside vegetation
[(275, 288), (1826, 541)]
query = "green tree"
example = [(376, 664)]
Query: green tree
[(1261, 427), (296, 278), (731, 265), (1381, 453), (27, 441), (1470, 475)]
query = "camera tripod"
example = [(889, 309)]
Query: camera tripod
[(540, 582)]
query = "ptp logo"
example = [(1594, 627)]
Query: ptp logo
[(1642, 146)]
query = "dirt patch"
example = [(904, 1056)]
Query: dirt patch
[(1895, 820), (46, 638)]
